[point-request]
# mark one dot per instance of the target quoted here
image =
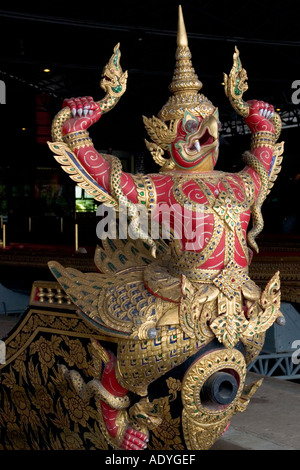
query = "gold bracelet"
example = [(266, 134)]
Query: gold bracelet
[(263, 139), (78, 139)]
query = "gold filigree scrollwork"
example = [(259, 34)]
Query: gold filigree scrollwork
[(231, 323), (195, 314), (157, 154), (204, 424), (146, 415), (262, 316)]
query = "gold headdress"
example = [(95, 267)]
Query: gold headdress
[(185, 87), (185, 83)]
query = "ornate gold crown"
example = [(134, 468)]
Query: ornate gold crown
[(185, 83), (185, 87)]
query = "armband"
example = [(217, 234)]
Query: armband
[(78, 139), (263, 139)]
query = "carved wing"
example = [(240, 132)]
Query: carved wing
[(70, 164), (86, 290), (116, 255), (276, 165), (117, 305)]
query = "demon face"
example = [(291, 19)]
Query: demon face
[(196, 142)]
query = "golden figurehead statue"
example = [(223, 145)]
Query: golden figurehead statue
[(180, 317)]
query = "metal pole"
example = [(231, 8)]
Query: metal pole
[(76, 237), (4, 236)]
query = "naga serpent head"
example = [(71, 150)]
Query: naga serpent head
[(113, 79)]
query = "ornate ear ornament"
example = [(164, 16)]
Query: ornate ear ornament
[(157, 154), (159, 132)]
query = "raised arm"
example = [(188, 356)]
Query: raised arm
[(265, 126), (86, 112), (263, 122)]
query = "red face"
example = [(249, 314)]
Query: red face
[(196, 141)]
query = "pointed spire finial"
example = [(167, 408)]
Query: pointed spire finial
[(185, 85), (182, 39)]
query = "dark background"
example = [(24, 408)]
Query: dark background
[(76, 40)]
